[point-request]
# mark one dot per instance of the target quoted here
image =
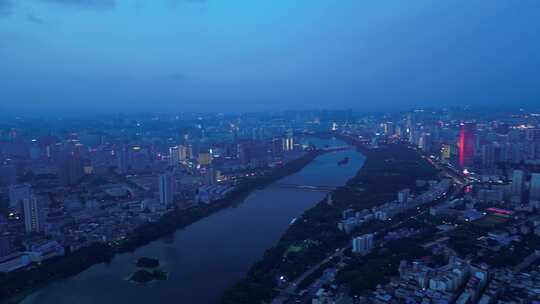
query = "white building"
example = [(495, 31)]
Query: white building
[(403, 196), (174, 155), (288, 144), (363, 244)]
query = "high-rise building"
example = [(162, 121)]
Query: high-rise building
[(17, 195), (535, 187), (211, 176), (517, 182), (445, 153), (191, 151), (35, 150), (466, 144), (122, 157), (277, 147), (34, 215), (403, 196), (166, 189), (174, 156), (288, 143), (388, 128), (425, 142), (488, 156), (183, 152), (533, 134), (71, 170), (205, 158), (363, 244), (244, 152)]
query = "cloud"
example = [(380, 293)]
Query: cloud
[(35, 19), (88, 4), (6, 7)]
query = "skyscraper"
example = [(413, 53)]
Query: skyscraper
[(211, 176), (183, 152), (517, 182), (71, 170), (425, 142), (535, 187), (466, 144), (122, 158), (166, 189), (174, 155), (488, 155), (34, 215), (205, 158), (288, 143)]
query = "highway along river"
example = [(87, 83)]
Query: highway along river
[(212, 254)]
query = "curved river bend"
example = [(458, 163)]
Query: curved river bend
[(212, 254)]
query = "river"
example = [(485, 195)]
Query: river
[(210, 255)]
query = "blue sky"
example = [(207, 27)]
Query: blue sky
[(85, 56)]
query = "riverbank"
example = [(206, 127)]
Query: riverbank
[(76, 262), (315, 234)]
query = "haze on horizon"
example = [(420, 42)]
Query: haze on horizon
[(86, 56)]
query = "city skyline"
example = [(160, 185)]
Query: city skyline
[(269, 152), (331, 203)]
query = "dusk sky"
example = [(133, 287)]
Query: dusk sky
[(86, 56)]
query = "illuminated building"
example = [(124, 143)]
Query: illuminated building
[(288, 144), (174, 155), (445, 153), (466, 144), (205, 158), (183, 152)]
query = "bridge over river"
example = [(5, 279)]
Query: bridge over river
[(322, 188), (335, 148)]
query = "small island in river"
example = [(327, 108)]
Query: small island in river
[(147, 272)]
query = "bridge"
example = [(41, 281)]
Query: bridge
[(335, 148), (304, 187)]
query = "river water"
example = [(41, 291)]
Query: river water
[(212, 254)]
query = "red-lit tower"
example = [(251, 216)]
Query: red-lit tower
[(466, 144)]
